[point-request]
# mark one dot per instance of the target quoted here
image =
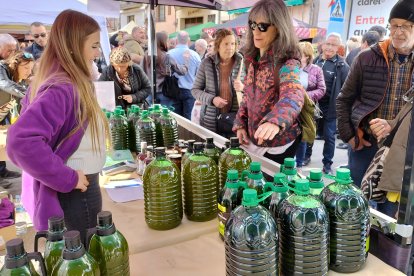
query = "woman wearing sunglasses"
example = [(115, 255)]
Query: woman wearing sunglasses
[(273, 95), (217, 81), (59, 139)]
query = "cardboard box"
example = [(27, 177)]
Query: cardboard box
[(3, 137), (6, 234)]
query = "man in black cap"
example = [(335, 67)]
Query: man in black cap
[(378, 79)]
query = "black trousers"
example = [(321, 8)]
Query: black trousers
[(290, 152), (81, 209)]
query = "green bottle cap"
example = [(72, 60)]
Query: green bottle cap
[(157, 107), (144, 114), (150, 109), (108, 114), (118, 107), (232, 175), (315, 175), (302, 186), (165, 111), (250, 198), (343, 175), (122, 112), (289, 162), (278, 178), (255, 167)]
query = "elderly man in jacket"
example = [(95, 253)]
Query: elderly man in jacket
[(335, 70), (375, 87)]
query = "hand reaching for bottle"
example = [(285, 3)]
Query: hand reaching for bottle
[(83, 182), (266, 131)]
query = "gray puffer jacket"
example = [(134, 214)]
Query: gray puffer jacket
[(204, 89)]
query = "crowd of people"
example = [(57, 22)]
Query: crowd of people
[(360, 95)]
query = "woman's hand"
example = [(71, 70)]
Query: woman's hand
[(219, 102), (380, 128), (266, 131), (242, 135), (238, 85), (83, 183), (127, 98)]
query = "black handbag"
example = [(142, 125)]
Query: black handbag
[(170, 86), (224, 121)]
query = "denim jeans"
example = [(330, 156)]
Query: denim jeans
[(359, 161), (388, 208), (329, 129), (184, 105), (300, 153), (161, 99)]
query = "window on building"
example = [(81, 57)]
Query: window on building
[(189, 22), (130, 18), (160, 13), (169, 10), (211, 18)]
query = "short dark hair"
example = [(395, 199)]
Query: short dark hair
[(371, 37), (37, 24), (380, 30)]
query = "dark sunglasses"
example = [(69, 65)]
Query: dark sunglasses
[(27, 56), (261, 26), (37, 35)]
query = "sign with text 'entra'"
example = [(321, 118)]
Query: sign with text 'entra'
[(368, 13)]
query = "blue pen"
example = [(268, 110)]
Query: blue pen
[(126, 186)]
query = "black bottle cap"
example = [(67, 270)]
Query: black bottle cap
[(150, 148), (15, 248), (227, 144), (190, 147), (210, 143), (198, 147), (106, 226), (73, 246), (160, 152), (56, 224), (234, 142)]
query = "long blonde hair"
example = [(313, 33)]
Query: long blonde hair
[(63, 62)]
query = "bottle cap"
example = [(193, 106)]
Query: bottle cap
[(315, 175), (118, 107), (302, 186), (232, 175), (104, 219), (72, 240), (150, 109), (108, 114), (15, 248), (255, 167), (122, 112), (143, 145), (289, 162), (250, 197), (160, 152), (278, 178), (56, 224), (165, 111), (144, 114), (210, 143), (198, 147), (190, 147), (117, 111), (227, 144), (157, 107), (234, 142), (316, 184), (150, 148), (343, 174)]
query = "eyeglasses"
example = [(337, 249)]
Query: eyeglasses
[(404, 28), (331, 45), (27, 56), (261, 26), (37, 35)]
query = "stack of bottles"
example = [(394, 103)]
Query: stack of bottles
[(119, 130)]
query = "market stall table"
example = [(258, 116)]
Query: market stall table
[(204, 256)]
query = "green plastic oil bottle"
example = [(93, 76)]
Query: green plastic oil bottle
[(109, 247), (211, 150), (55, 243), (304, 233), (155, 115), (251, 239), (229, 198), (119, 130), (145, 129), (75, 260), (200, 176), (133, 117), (18, 262), (316, 184), (233, 158), (279, 191), (169, 128), (255, 178), (188, 153), (162, 193), (349, 217), (289, 168)]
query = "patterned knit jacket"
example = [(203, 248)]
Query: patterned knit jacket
[(263, 103)]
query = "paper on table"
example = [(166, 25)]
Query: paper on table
[(105, 94), (126, 193), (123, 183)]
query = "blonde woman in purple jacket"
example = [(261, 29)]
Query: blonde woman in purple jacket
[(59, 139), (311, 78)]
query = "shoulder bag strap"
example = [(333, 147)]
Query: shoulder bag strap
[(390, 137), (168, 66)]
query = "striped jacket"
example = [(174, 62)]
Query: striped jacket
[(204, 89)]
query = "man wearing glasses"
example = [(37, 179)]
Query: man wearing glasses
[(379, 77), (39, 34)]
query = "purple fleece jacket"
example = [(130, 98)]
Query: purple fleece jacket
[(39, 144)]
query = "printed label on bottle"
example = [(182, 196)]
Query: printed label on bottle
[(221, 208), (222, 217)]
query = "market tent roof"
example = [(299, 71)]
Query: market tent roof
[(239, 25), (195, 31)]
